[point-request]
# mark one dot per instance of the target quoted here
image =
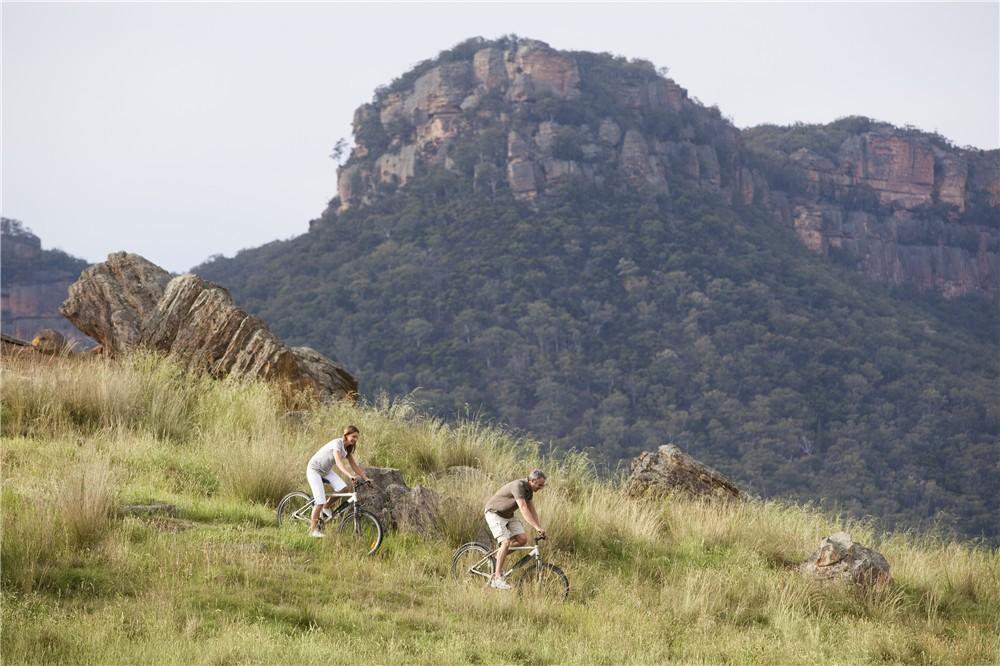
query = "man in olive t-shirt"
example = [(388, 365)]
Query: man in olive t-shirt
[(507, 530)]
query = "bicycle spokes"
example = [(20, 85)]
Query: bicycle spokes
[(542, 580)]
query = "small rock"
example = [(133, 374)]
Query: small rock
[(669, 470), (838, 558), (48, 341), (151, 509)]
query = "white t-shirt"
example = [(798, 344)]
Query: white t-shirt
[(323, 461)]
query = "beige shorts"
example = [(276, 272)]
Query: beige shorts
[(503, 528)]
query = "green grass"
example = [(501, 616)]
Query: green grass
[(674, 581)]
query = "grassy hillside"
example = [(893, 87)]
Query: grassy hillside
[(675, 581)]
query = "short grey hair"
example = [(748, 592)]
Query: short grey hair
[(537, 474)]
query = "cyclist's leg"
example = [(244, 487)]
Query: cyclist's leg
[(319, 495), (517, 538), (338, 485), (500, 527)]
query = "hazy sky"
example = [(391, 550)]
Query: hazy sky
[(179, 131)]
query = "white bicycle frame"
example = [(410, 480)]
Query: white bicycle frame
[(533, 552), (353, 497)]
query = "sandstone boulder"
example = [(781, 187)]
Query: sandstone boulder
[(400, 507), (638, 165), (48, 341), (839, 559), (668, 470), (128, 303), (489, 68), (110, 300), (547, 69), (440, 90)]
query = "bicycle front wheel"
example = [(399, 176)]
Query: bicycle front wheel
[(472, 564), (294, 511), (542, 580), (362, 529)]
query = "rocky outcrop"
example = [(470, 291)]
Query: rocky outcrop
[(839, 559), (518, 86), (128, 302), (668, 470), (111, 300), (907, 208), (400, 507)]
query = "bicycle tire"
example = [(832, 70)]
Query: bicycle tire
[(368, 529), (467, 555), (290, 509), (542, 579)]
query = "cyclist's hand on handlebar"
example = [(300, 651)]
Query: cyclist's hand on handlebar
[(539, 535)]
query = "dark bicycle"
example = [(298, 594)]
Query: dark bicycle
[(530, 575), (354, 523)]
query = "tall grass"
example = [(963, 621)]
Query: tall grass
[(87, 501), (671, 581)]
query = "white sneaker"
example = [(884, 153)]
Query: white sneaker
[(316, 534), (499, 584)]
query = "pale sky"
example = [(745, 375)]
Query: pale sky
[(179, 131)]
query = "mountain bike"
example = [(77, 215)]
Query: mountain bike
[(355, 524), (530, 575)]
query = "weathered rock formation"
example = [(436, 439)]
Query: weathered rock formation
[(839, 559), (668, 470), (400, 507), (128, 302), (906, 207), (529, 91)]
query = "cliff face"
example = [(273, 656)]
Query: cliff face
[(515, 114), (907, 208), (34, 285)]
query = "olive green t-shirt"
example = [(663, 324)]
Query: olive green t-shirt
[(504, 502)]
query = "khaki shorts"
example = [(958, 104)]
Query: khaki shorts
[(503, 528)]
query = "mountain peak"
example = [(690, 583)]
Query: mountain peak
[(517, 113)]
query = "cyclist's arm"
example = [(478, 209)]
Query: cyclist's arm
[(528, 511), (339, 459), (357, 468)]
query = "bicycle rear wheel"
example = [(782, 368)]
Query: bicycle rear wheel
[(361, 530), (542, 580), (471, 564), (294, 512)]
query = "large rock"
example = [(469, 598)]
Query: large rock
[(400, 507), (440, 90), (110, 301), (548, 70), (128, 303), (839, 559), (639, 165), (489, 68), (668, 470)]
